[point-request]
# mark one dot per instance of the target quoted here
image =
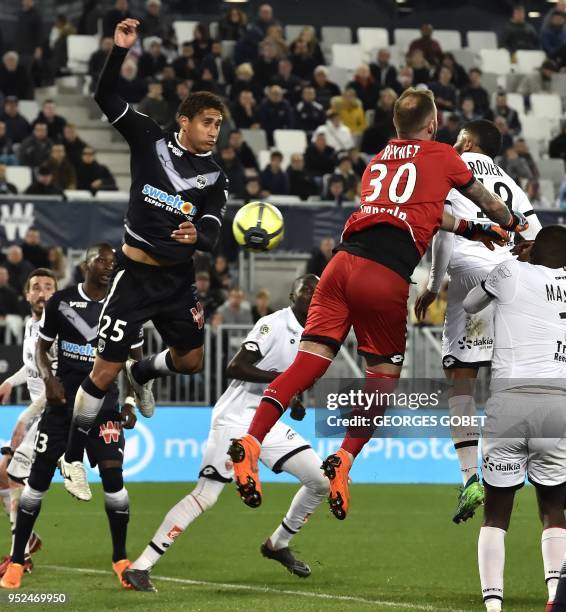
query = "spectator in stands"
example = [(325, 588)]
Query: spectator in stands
[(539, 81), (130, 86), (272, 178), (236, 310), (34, 150), (468, 110), (243, 151), (431, 48), (358, 160), (557, 146), (113, 16), (405, 79), (220, 277), (262, 305), (504, 110), (459, 75), (222, 68), (185, 66), (448, 133), (303, 60), (15, 79), (202, 41), (61, 30), (266, 65), (367, 90), (154, 104), (338, 135), (18, 267), (246, 49), (152, 60), (506, 136), (536, 197), (7, 155), (320, 156), (93, 176), (182, 90), (553, 35), (320, 257), (73, 144), (288, 82), (6, 188), (153, 23), (300, 183), (245, 112), (42, 184), (9, 300), (421, 68), (253, 191), (325, 89), (518, 34), (443, 90), (516, 167), (17, 126), (245, 81), (57, 262), (234, 170), (276, 37), (309, 114), (562, 195), (308, 36), (64, 175), (522, 149), (207, 82), (346, 174), (32, 249), (478, 93), (233, 25), (210, 298), (97, 59), (55, 123), (335, 191), (29, 34), (351, 112), (383, 73), (382, 129), (169, 83), (264, 19), (275, 113)]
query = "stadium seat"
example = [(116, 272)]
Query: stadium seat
[(490, 82), (184, 31), (228, 48), (256, 139), (535, 148), (112, 196), (559, 84), (293, 31), (290, 141), (347, 56), (213, 29), (529, 61), (482, 39), (332, 35), (535, 128), (78, 195), (29, 109), (340, 76), (79, 49), (496, 60), (403, 37), (466, 57), (546, 105), (20, 176), (264, 157), (547, 190), (372, 38), (552, 169), (514, 100), (448, 39)]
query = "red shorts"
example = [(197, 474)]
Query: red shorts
[(359, 292)]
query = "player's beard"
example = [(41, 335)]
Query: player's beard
[(37, 308)]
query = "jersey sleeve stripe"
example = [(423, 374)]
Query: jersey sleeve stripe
[(137, 344), (120, 116), (41, 335), (212, 217), (529, 213), (468, 184), (482, 284)]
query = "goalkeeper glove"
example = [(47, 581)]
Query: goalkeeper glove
[(519, 223), (487, 233)]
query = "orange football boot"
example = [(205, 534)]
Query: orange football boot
[(12, 579), (119, 568), (244, 453), (336, 468)]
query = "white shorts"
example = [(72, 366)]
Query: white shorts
[(280, 444), (467, 340), (19, 467), (516, 439)]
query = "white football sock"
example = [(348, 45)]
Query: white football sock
[(491, 562), (306, 467), (465, 438), (15, 494), (553, 543), (181, 515)]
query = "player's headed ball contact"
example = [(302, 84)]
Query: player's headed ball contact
[(258, 226)]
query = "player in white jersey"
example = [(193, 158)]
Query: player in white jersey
[(467, 340), (268, 349), (525, 427), (17, 458)]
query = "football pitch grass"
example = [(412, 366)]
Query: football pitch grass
[(397, 550)]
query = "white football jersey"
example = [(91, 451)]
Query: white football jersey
[(34, 382), (467, 254), (529, 305), (275, 338)]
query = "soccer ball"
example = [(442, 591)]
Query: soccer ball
[(258, 226)]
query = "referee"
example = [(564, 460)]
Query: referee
[(177, 201)]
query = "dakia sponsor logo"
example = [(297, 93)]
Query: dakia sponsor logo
[(155, 196)]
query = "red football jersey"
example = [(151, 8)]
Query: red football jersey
[(406, 185)]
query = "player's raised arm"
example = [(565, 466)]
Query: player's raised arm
[(487, 233), (242, 365)]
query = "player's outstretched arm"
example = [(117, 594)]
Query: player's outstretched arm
[(18, 378), (487, 233), (242, 366), (476, 300)]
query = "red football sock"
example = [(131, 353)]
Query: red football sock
[(299, 376), (357, 437)]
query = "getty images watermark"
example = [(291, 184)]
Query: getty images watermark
[(420, 408)]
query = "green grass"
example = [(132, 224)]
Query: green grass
[(398, 544)]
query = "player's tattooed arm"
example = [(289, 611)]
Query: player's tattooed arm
[(492, 205), (54, 391), (242, 365)]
